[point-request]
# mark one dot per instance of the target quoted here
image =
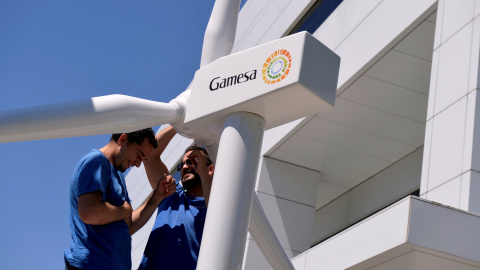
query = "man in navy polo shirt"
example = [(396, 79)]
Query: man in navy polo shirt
[(174, 242)]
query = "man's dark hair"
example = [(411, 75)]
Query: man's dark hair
[(138, 137), (201, 149)]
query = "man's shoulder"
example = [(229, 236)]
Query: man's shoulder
[(94, 155), (93, 159)]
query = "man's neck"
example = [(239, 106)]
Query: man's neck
[(109, 152), (195, 191)]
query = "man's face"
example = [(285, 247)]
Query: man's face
[(132, 154), (189, 176)]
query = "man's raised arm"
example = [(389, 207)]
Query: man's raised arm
[(154, 166)]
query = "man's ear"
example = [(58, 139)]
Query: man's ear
[(122, 139), (211, 169)]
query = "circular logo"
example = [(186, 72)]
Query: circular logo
[(277, 66)]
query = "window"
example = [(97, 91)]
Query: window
[(317, 14)]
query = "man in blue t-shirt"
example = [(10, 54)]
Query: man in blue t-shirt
[(174, 242), (101, 216)]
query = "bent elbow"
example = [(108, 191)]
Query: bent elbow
[(86, 216)]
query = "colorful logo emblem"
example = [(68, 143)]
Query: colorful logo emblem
[(277, 66)]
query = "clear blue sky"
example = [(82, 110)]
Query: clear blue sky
[(56, 50)]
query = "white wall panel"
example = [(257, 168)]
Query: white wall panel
[(274, 137), (471, 157), (287, 19), (433, 17), (477, 8), (402, 69), (445, 230), (457, 14), (268, 20), (397, 181), (433, 84), (331, 218), (438, 25), (355, 140), (327, 192), (469, 199), (419, 43), (421, 260), (447, 144), (388, 97), (292, 222), (427, 148), (356, 12), (474, 199), (254, 259), (448, 193), (362, 241), (299, 262), (139, 241), (376, 122), (330, 32), (137, 185), (473, 83), (453, 69), (328, 157), (371, 39), (288, 181)]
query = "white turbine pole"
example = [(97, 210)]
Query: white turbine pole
[(225, 231), (218, 42)]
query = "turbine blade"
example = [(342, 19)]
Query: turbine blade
[(98, 115), (220, 33)]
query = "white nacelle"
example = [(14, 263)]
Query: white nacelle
[(280, 81)]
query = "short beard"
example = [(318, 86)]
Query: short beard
[(196, 181)]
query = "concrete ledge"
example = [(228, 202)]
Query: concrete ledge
[(410, 234)]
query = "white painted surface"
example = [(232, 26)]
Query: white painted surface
[(457, 14), (288, 181), (447, 193), (420, 42), (453, 69), (391, 184), (364, 240), (327, 192), (475, 54), (388, 97), (226, 223), (445, 230), (395, 182), (469, 199), (331, 218), (264, 21), (447, 145), (374, 121), (293, 222), (470, 153), (433, 84), (370, 38), (395, 66), (355, 140)]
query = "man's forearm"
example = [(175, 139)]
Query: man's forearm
[(143, 213), (92, 210)]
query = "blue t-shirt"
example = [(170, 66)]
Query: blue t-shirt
[(174, 242), (98, 246)]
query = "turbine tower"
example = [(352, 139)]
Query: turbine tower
[(232, 100)]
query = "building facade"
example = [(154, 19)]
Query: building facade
[(390, 177)]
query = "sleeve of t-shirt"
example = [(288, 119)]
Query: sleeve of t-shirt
[(94, 176)]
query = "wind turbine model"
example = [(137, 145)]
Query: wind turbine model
[(232, 100)]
